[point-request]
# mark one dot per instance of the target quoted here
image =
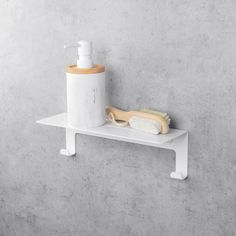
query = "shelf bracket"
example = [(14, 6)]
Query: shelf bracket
[(70, 149), (179, 145)]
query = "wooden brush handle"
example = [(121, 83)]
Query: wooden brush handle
[(126, 115), (118, 114)]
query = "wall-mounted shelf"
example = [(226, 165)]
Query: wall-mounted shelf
[(176, 139)]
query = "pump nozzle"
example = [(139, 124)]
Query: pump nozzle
[(70, 46), (84, 53)]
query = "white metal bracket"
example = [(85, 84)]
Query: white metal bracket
[(70, 149), (179, 145), (176, 140)]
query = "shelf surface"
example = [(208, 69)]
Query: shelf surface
[(110, 131)]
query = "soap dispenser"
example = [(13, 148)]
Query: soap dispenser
[(85, 89)]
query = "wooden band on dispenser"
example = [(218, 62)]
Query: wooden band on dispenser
[(73, 69)]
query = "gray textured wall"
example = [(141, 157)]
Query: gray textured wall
[(175, 56)]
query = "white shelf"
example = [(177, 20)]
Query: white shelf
[(176, 139), (111, 131)]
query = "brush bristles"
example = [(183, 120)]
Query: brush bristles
[(144, 124), (163, 114)]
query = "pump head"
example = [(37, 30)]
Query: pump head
[(84, 54)]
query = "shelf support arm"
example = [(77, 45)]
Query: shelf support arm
[(180, 146), (70, 143)]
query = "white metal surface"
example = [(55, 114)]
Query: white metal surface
[(176, 140)]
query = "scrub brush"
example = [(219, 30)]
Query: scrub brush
[(146, 120), (163, 114)]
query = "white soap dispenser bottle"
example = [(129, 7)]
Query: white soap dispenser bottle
[(85, 90)]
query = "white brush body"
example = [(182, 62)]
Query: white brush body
[(144, 124)]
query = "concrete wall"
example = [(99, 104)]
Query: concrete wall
[(175, 56)]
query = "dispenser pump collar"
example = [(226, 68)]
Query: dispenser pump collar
[(84, 54)]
